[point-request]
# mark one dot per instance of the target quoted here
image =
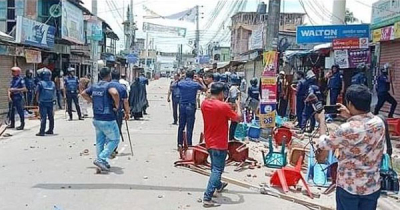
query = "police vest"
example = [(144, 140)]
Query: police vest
[(301, 88), (254, 92), (102, 102), (359, 79), (29, 83), (72, 84), (383, 86), (47, 92), (336, 81)]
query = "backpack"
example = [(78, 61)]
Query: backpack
[(389, 178)]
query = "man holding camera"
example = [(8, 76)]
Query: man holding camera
[(360, 142)]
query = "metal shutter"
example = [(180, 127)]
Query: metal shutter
[(6, 62), (390, 53)]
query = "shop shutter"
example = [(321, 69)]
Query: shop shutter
[(5, 77), (390, 53)]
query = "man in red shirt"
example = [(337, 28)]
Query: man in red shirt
[(216, 114)]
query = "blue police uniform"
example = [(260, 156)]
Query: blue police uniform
[(359, 79), (187, 108), (17, 102), (301, 93), (384, 95), (335, 86), (71, 87), (46, 90), (104, 121), (254, 93), (30, 86), (312, 88), (175, 99), (123, 95)]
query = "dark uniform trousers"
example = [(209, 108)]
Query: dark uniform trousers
[(175, 105), (187, 118), (17, 103), (46, 111), (382, 98), (73, 97)]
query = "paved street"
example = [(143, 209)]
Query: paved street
[(40, 173)]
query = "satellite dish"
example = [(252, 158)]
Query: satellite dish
[(55, 10)]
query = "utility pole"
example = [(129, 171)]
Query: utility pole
[(147, 53), (197, 41), (131, 37), (339, 12), (94, 49), (272, 25)]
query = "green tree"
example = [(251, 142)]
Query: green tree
[(349, 18)]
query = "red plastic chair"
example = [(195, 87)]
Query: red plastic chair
[(288, 176), (281, 133), (394, 126)]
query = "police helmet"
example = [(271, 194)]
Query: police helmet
[(335, 66), (16, 68), (28, 72), (235, 79), (254, 81)]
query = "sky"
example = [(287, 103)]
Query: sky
[(114, 12)]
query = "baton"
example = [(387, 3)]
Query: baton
[(129, 136), (120, 133)]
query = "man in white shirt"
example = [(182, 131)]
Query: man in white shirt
[(125, 83)]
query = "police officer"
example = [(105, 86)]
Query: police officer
[(45, 95), (174, 91), (105, 100), (301, 93), (15, 96), (123, 109), (253, 94), (187, 106), (225, 80), (359, 78), (335, 84), (383, 93), (30, 86), (71, 84), (308, 111)]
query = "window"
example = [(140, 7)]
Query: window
[(10, 3)]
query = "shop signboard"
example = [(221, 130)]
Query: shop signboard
[(34, 33), (396, 30), (177, 31), (350, 43), (33, 56), (267, 120), (269, 89), (266, 108), (351, 58), (327, 33), (94, 28), (384, 13), (386, 34), (270, 60), (72, 27)]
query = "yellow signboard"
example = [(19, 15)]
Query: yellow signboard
[(376, 35), (267, 120), (268, 81), (397, 30)]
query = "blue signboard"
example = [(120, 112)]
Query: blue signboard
[(34, 33), (324, 34), (131, 58)]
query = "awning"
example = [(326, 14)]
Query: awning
[(5, 37)]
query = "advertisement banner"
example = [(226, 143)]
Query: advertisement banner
[(256, 38), (34, 33), (396, 30), (269, 89), (94, 28), (376, 35), (385, 12), (270, 59), (33, 56), (350, 43), (72, 23), (267, 120), (351, 58), (324, 34), (177, 31), (387, 33), (266, 108)]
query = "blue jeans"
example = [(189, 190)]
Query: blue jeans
[(217, 168), (308, 115), (187, 117), (347, 201), (46, 110), (107, 138), (175, 105)]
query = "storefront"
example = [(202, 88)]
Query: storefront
[(385, 29)]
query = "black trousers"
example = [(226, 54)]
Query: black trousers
[(232, 129), (73, 97), (175, 105), (385, 97), (282, 107)]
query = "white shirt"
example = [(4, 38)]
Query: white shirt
[(126, 84)]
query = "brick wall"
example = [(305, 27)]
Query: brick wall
[(6, 62)]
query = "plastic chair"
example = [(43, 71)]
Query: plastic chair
[(254, 130), (241, 131), (281, 133), (288, 176), (316, 172), (275, 159), (394, 125)]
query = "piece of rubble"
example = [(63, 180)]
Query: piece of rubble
[(248, 175), (189, 193), (160, 196), (199, 200), (145, 177)]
